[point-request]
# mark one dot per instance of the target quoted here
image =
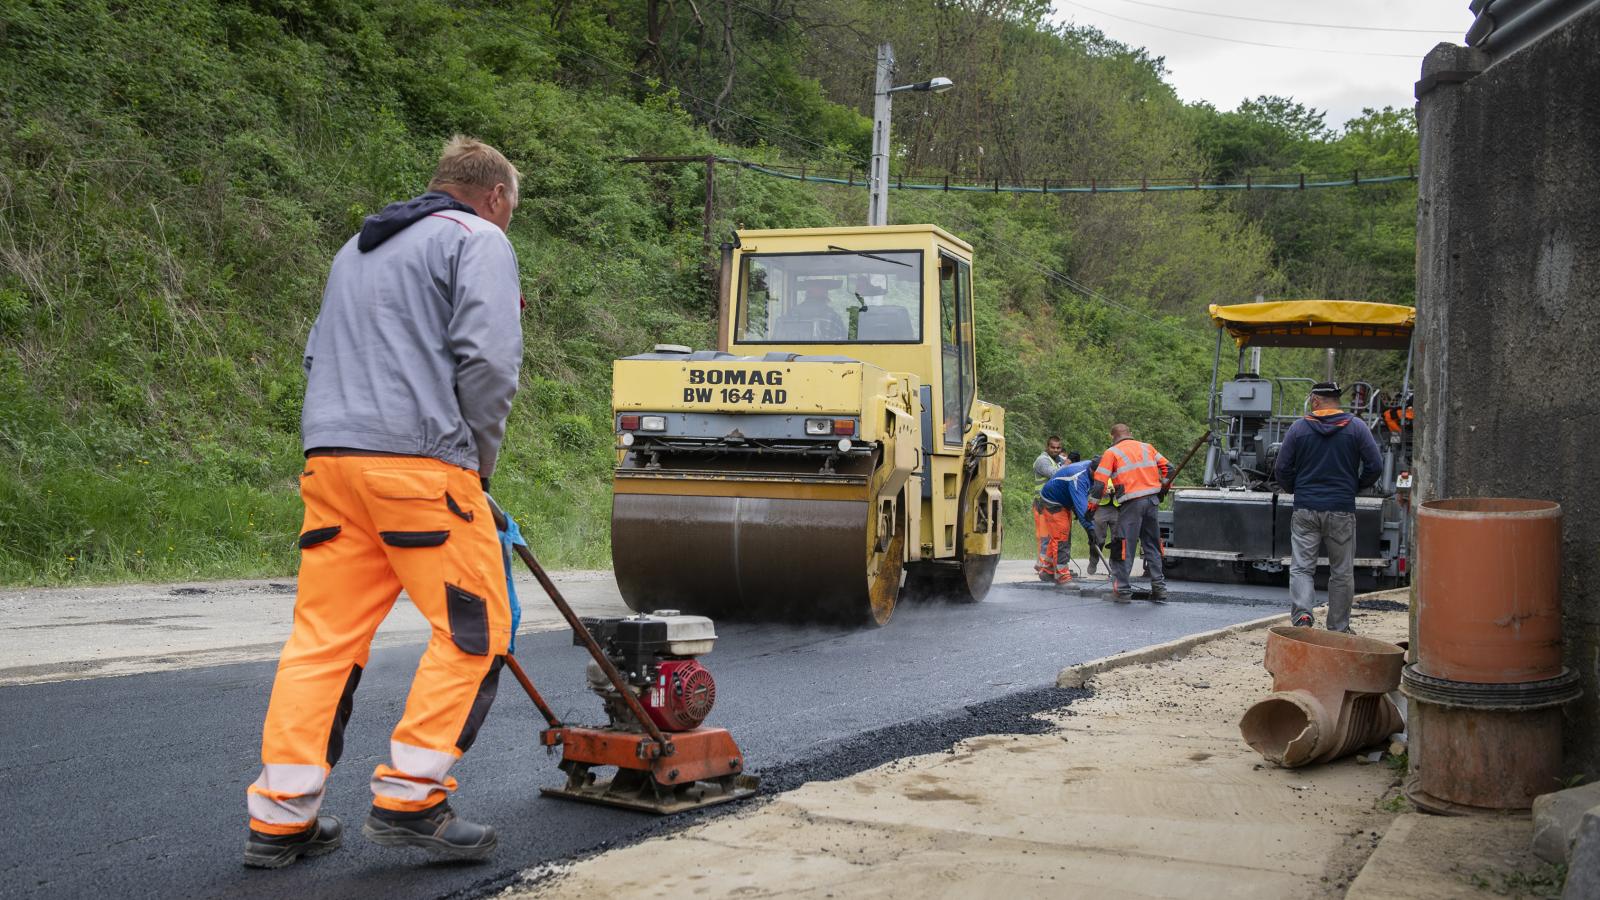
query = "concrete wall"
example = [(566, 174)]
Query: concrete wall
[(1508, 298)]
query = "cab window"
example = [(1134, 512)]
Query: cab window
[(839, 297), (955, 346)]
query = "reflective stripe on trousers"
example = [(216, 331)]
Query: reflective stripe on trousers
[(374, 525), (1052, 525)]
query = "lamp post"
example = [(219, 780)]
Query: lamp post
[(878, 180)]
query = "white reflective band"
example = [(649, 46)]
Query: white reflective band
[(1137, 494), (397, 788), (286, 793), (420, 761), (421, 772)]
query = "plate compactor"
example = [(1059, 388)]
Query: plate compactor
[(656, 694)]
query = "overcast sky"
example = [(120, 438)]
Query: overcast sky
[(1225, 72)]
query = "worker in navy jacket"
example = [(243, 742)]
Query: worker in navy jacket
[(1325, 460)]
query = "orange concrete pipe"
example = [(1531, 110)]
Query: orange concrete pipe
[(1488, 590), (1328, 696)]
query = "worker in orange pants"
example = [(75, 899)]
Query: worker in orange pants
[(1052, 523), (375, 524), (411, 368)]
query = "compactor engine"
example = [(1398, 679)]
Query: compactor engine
[(831, 447), (656, 654)]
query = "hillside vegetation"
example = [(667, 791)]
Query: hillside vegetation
[(175, 177)]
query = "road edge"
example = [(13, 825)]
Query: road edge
[(1077, 676)]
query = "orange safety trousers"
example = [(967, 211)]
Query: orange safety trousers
[(1052, 526), (374, 525)]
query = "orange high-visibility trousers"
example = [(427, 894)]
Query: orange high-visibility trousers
[(1052, 527), (374, 525)]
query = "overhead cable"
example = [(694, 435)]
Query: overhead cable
[(1217, 15), (1217, 37)]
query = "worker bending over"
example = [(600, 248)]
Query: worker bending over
[(1137, 473), (1068, 491), (1326, 458), (410, 370)]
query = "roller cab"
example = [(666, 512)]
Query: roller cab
[(831, 454)]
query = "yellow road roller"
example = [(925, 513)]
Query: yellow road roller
[(831, 455)]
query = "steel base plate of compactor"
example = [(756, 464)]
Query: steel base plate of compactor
[(705, 768), (791, 551)]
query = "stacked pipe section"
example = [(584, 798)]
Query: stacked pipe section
[(1329, 696), (1487, 683)]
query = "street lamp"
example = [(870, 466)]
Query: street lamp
[(878, 181)]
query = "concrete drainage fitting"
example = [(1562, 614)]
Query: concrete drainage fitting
[(1328, 696)]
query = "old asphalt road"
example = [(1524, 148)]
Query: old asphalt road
[(133, 786)]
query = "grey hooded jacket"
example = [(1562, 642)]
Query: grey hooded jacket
[(419, 342)]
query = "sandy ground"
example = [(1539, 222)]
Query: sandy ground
[(1143, 790), (1426, 857), (62, 634)]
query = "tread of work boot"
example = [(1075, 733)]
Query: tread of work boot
[(437, 829), (274, 851), (1304, 620)]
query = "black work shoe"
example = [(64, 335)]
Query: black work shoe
[(436, 829), (1304, 620), (1046, 577), (274, 851), (1158, 595)]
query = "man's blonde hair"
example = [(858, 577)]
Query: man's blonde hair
[(470, 163)]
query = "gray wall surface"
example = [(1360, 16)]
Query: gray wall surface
[(1508, 300)]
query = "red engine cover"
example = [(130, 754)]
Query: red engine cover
[(681, 697)]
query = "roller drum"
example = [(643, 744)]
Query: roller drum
[(753, 557)]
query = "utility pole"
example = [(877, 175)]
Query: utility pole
[(878, 178)]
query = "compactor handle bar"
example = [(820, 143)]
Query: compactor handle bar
[(610, 670)]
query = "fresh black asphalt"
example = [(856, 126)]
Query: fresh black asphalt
[(134, 786)]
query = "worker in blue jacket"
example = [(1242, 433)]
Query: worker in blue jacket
[(1327, 458), (1069, 487)]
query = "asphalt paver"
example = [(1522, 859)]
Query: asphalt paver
[(134, 786)]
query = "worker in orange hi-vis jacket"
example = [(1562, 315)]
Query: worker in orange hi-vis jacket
[(410, 371), (1138, 473)]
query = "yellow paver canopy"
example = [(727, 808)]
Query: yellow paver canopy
[(1318, 323)]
